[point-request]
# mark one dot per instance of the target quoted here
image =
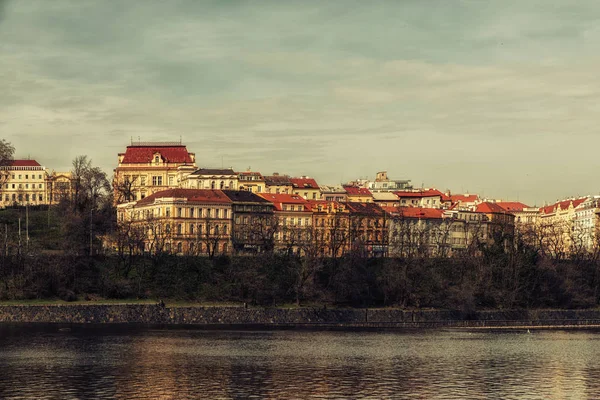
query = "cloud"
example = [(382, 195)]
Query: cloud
[(466, 94)]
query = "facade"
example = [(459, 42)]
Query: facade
[(339, 228), (179, 221), (386, 199), (294, 222), (306, 187), (24, 182), (586, 226), (277, 184), (554, 231), (211, 178), (358, 194), (252, 182), (253, 223), (425, 198), (334, 193), (147, 168), (59, 187)]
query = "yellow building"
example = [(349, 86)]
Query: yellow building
[(180, 221), (147, 168), (24, 183), (251, 181), (277, 184), (306, 187)]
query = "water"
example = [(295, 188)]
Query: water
[(44, 362)]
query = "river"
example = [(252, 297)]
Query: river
[(54, 362)]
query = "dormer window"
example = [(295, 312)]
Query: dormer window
[(157, 158)]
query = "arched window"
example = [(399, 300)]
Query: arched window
[(212, 184), (192, 248), (222, 185), (179, 247)]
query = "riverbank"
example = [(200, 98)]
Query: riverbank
[(225, 317)]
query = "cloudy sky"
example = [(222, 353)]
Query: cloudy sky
[(496, 97)]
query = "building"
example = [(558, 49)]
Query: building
[(339, 228), (278, 184), (463, 201), (252, 181), (382, 183), (254, 225), (180, 221), (554, 231), (147, 168), (386, 199), (424, 198), (334, 193), (358, 194), (211, 178), (306, 187), (59, 186), (24, 182), (294, 222)]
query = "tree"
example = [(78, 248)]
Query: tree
[(7, 152)]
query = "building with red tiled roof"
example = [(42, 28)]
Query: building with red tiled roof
[(294, 218), (146, 168), (22, 182), (306, 187), (181, 221), (358, 194), (278, 183)]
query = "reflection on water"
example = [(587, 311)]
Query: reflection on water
[(43, 362)]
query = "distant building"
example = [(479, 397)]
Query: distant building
[(306, 187), (179, 221), (425, 198), (382, 183), (24, 183), (334, 193), (277, 184), (251, 181), (147, 168), (211, 178), (358, 194), (59, 187)]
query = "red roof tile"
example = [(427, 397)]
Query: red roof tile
[(145, 154), (304, 183), (418, 212), (280, 199), (191, 195), (513, 206), (357, 191), (464, 198), (487, 207), (563, 205), (21, 163)]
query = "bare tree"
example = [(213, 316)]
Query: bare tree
[(7, 152)]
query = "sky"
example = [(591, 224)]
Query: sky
[(500, 98)]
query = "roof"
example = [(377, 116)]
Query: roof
[(244, 196), (21, 163), (169, 153), (357, 191), (416, 212), (464, 198), (364, 208), (512, 206), (420, 193), (563, 205), (304, 183), (333, 189), (384, 196), (275, 180), (214, 171), (191, 195), (488, 207), (279, 199)]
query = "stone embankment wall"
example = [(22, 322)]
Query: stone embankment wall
[(301, 317)]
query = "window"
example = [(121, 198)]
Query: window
[(191, 229), (192, 212), (157, 159), (179, 229), (208, 213), (157, 180), (26, 176), (39, 177), (40, 186), (27, 186), (171, 180), (222, 185), (168, 212), (168, 228), (225, 214), (179, 212), (143, 180)]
